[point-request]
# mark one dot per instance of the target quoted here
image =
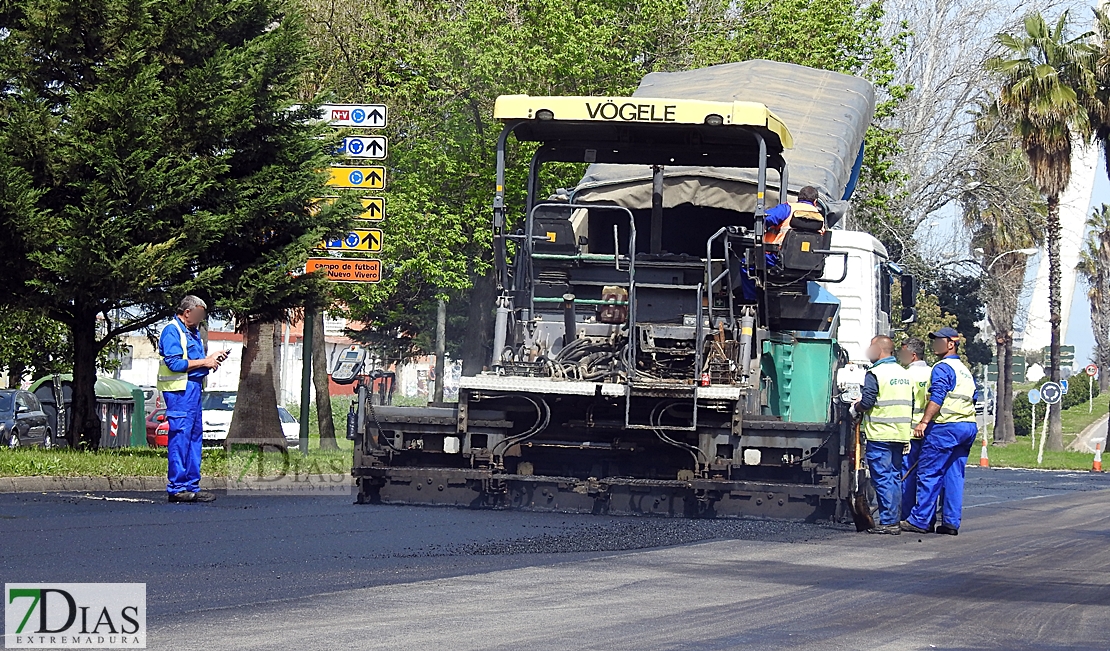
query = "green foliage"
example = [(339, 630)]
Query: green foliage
[(439, 67), (1023, 414), (152, 149)]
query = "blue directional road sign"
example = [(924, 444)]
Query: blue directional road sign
[(1034, 396), (1051, 392), (1064, 386), (364, 147)]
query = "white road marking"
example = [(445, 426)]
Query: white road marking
[(113, 499), (1035, 497)]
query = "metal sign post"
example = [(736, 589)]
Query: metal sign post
[(1034, 398), (1051, 393), (359, 146), (1092, 373)]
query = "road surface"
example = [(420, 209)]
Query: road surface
[(1028, 571)]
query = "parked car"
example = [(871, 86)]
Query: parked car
[(218, 407), (22, 420), (161, 436), (152, 399), (154, 421)]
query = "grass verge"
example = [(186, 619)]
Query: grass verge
[(142, 462)]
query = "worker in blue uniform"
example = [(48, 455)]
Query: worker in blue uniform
[(776, 223), (912, 356), (948, 429), (885, 407), (180, 378)]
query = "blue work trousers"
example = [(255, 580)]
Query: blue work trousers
[(884, 459), (909, 476), (942, 462), (186, 427)]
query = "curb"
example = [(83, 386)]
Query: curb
[(131, 484)]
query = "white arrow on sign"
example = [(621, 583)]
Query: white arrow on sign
[(1051, 392), (372, 116), (364, 147)]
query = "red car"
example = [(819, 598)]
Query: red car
[(157, 429)]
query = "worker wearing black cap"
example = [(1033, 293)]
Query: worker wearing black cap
[(949, 430)]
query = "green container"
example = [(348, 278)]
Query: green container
[(801, 374)]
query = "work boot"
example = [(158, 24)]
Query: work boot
[(204, 496), (183, 496), (905, 525), (947, 530), (889, 529)]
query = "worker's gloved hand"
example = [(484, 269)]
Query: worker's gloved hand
[(852, 410)]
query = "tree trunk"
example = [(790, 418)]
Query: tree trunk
[(279, 359), (321, 384), (255, 420), (15, 374), (1004, 394), (1055, 437), (476, 352), (84, 421)]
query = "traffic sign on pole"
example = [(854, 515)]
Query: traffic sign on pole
[(364, 147), (1051, 393), (372, 116), (347, 270), (1034, 396), (1091, 370), (370, 178), (359, 239)]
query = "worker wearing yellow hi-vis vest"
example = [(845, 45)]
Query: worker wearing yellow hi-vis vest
[(949, 430), (180, 375), (886, 407), (912, 356)]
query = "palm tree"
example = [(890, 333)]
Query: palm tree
[(1094, 267), (1004, 212), (1047, 79)]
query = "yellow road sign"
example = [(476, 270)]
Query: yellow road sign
[(370, 178), (374, 208), (359, 239)]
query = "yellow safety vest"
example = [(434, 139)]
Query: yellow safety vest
[(959, 404), (920, 375), (889, 419), (167, 379)]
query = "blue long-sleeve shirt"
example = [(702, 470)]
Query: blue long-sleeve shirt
[(870, 389), (774, 218), (169, 346), (943, 381)]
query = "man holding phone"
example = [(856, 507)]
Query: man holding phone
[(180, 379)]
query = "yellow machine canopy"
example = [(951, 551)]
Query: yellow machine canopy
[(644, 130)]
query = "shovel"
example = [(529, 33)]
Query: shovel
[(861, 506)]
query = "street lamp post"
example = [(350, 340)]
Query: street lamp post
[(1025, 252)]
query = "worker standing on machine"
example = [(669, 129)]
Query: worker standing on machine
[(777, 222), (949, 430), (912, 356), (886, 407)]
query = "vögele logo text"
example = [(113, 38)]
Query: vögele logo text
[(75, 615)]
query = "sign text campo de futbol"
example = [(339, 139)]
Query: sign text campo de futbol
[(347, 270)]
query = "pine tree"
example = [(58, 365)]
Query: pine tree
[(152, 148)]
